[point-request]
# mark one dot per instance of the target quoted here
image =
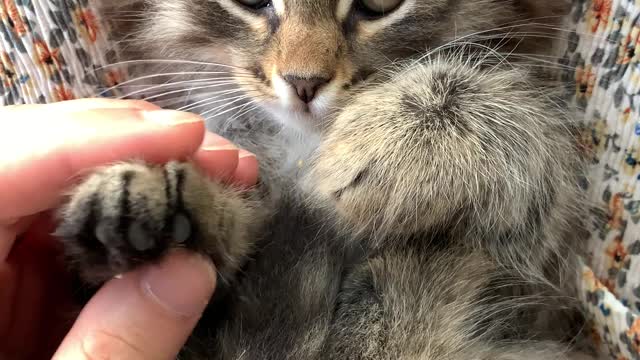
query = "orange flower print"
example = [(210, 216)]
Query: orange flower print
[(600, 131), (586, 142), (617, 254), (610, 285), (634, 51), (616, 212), (596, 338), (61, 93), (7, 71), (633, 333), (629, 47), (626, 114), (600, 12), (87, 23), (113, 78), (585, 81), (48, 60), (593, 283), (10, 14)]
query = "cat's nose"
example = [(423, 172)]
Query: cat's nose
[(306, 87)]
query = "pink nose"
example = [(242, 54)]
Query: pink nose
[(306, 87)]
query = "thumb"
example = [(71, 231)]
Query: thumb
[(147, 314)]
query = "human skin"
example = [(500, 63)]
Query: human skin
[(44, 150)]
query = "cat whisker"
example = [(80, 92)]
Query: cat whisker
[(199, 103), (213, 100), (541, 26), (154, 76), (254, 106), (219, 107), (189, 89), (223, 112), (212, 81), (240, 112), (173, 61)]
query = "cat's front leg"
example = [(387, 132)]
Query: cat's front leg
[(444, 144), (128, 214)]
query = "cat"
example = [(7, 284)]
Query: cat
[(419, 193)]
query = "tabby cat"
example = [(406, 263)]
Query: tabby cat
[(419, 195)]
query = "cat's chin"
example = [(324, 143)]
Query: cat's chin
[(304, 118)]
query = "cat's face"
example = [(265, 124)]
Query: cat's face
[(302, 59)]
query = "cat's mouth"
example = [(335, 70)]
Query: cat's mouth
[(307, 102), (306, 116), (303, 102), (306, 95)]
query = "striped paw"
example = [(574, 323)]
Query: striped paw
[(125, 215)]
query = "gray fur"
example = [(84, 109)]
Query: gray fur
[(432, 212)]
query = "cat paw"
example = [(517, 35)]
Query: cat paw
[(436, 141), (125, 215)]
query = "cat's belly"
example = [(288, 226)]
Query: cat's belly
[(286, 297)]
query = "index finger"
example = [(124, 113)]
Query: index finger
[(40, 157)]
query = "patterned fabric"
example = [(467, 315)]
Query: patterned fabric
[(53, 50), (603, 66)]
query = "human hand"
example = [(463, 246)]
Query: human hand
[(149, 312)]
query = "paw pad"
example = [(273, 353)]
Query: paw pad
[(181, 229)]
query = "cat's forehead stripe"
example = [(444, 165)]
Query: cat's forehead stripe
[(257, 23), (342, 9), (279, 6), (311, 9)]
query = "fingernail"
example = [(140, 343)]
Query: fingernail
[(170, 117), (244, 154), (182, 284), (220, 148), (214, 142)]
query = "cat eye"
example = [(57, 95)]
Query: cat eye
[(377, 8), (255, 4)]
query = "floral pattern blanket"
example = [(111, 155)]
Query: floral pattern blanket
[(602, 66), (54, 50)]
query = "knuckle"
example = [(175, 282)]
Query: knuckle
[(104, 345)]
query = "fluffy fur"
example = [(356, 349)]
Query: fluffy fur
[(424, 205)]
